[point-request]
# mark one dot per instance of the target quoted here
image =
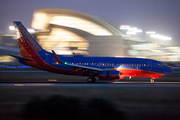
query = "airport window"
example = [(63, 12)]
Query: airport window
[(110, 64), (87, 63), (80, 63), (107, 63), (94, 63), (72, 63), (103, 64), (144, 64), (84, 63)]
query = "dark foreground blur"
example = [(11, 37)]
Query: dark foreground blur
[(70, 108)]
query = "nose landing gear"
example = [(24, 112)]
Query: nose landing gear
[(151, 80)]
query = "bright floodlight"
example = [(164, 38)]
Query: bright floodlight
[(150, 32), (161, 37), (11, 28), (125, 27), (130, 30)]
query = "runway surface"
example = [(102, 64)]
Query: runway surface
[(137, 98), (96, 84)]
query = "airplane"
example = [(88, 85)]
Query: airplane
[(104, 68)]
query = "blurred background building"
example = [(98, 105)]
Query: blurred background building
[(68, 31)]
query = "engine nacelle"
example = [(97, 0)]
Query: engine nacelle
[(109, 75)]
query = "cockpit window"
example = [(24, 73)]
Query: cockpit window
[(161, 64)]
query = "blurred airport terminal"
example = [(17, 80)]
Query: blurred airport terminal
[(68, 31)]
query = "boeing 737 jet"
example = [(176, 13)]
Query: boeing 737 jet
[(104, 68)]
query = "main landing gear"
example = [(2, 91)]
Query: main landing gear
[(151, 80), (91, 79)]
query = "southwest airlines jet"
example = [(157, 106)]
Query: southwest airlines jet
[(104, 68)]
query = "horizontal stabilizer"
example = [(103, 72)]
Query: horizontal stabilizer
[(19, 57)]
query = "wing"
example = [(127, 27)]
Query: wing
[(20, 57), (59, 61)]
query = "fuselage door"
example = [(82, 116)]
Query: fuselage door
[(149, 65)]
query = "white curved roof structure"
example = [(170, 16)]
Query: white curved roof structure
[(95, 26), (71, 31)]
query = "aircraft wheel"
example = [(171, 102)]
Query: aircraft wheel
[(152, 81), (91, 79)]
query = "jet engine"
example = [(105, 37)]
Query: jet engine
[(109, 75)]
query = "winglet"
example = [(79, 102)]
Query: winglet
[(57, 59)]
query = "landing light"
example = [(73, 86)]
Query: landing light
[(65, 63)]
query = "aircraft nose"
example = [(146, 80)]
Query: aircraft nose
[(169, 70)]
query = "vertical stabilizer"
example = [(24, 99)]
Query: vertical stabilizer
[(29, 47)]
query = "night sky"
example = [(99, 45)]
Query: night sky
[(162, 16)]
